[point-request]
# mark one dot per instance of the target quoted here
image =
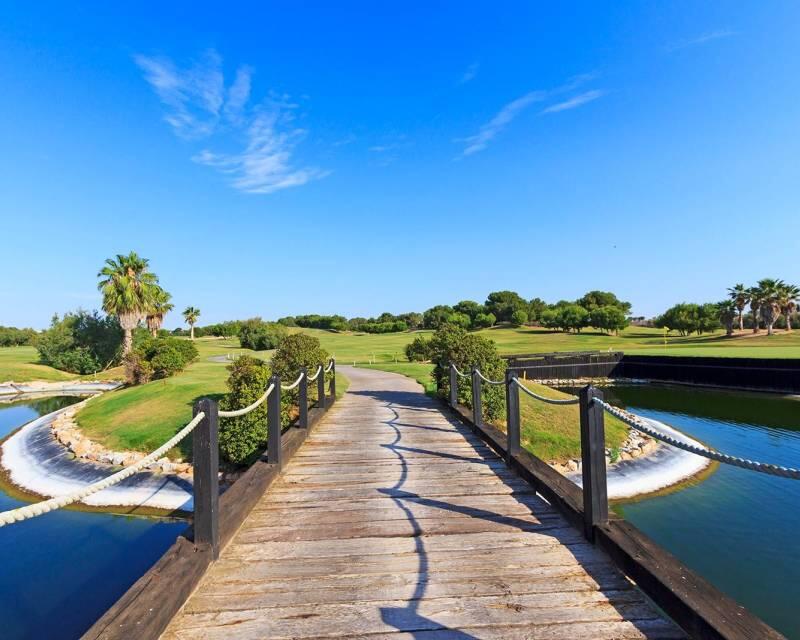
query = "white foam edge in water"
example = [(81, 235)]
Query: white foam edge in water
[(44, 477)]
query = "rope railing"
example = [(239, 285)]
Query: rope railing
[(629, 419), (532, 394), (245, 410), (39, 508), (316, 375), (329, 367), (636, 423), (459, 373), (487, 380), (289, 387)]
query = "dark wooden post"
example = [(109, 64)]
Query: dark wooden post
[(453, 386), (321, 388), (274, 422), (302, 400), (593, 461), (333, 380), (512, 415), (477, 409), (205, 461)]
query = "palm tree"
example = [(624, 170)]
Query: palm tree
[(739, 295), (787, 301), (755, 297), (770, 301), (160, 307), (190, 314), (128, 288), (727, 310)]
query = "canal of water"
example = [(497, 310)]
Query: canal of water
[(738, 529), (60, 571)]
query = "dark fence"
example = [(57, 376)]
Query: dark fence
[(775, 374), (579, 364)]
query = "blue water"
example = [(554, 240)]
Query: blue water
[(61, 571), (738, 529)]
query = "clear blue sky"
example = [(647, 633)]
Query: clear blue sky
[(286, 158)]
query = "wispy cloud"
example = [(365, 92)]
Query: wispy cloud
[(702, 39), (575, 102), (489, 131), (469, 74), (504, 117), (198, 105)]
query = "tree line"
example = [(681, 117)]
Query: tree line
[(772, 303)]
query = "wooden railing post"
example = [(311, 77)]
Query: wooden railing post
[(477, 409), (512, 415), (593, 461), (302, 399), (274, 422), (205, 462), (321, 388), (453, 386), (333, 380)]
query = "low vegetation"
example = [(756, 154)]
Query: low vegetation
[(81, 343), (157, 358)]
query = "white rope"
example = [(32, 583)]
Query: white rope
[(248, 408), (761, 467), (544, 399), (39, 508), (289, 387), (316, 375), (458, 373), (330, 366), (486, 380)]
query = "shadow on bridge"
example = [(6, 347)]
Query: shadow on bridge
[(408, 619)]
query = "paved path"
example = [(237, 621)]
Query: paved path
[(394, 522)]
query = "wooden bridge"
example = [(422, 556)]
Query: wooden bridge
[(394, 518)]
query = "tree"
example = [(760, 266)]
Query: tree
[(519, 317), (503, 303), (460, 319), (596, 299), (535, 309), (728, 310), (740, 296), (128, 287), (572, 317), (436, 316), (608, 318), (484, 321), (470, 308), (681, 317), (81, 342), (191, 314), (419, 349), (770, 294), (160, 307), (788, 295), (755, 297)]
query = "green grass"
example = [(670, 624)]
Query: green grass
[(550, 432), (141, 418), (364, 348), (21, 364)]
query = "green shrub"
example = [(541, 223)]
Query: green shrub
[(484, 321), (240, 438), (296, 351), (81, 342), (466, 350), (419, 349), (156, 358), (519, 317), (258, 335), (460, 320)]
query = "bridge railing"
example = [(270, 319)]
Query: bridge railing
[(696, 605)]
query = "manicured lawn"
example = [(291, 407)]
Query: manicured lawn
[(21, 364), (551, 432), (141, 418), (364, 348)]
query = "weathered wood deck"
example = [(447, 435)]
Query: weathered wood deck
[(392, 521)]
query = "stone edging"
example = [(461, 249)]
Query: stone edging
[(67, 432)]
